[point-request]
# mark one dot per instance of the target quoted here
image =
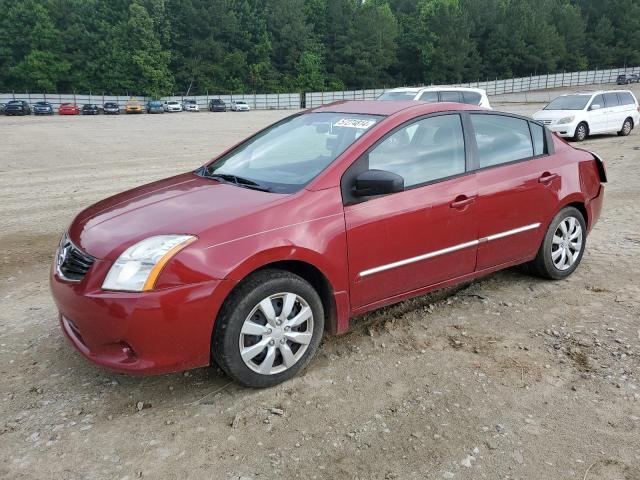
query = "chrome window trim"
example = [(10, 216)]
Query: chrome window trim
[(444, 251)]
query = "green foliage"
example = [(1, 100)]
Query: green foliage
[(158, 47)]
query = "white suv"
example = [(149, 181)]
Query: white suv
[(579, 115), (472, 96)]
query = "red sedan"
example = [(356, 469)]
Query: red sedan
[(69, 109), (324, 215)]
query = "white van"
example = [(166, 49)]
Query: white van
[(472, 96), (579, 115)]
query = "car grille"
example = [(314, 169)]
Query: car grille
[(72, 263)]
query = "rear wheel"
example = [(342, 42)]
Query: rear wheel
[(268, 329), (627, 126), (581, 133), (563, 245)]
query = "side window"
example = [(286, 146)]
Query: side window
[(537, 135), (424, 151), (450, 96), (501, 139), (472, 98), (626, 98), (431, 97), (598, 100), (611, 100)]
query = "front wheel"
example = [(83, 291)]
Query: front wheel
[(581, 133), (268, 329), (563, 245), (627, 126)]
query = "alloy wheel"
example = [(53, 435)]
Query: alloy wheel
[(626, 128), (276, 334), (582, 132), (567, 243)]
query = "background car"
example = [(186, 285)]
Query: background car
[(623, 79), (42, 108), (217, 105), (240, 106), (470, 96), (68, 109), (172, 106), (190, 106), (111, 108), (268, 242), (90, 109), (133, 106), (579, 115), (2, 107), (635, 78), (155, 106), (17, 107)]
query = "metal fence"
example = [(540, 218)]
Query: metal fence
[(492, 87), (285, 101)]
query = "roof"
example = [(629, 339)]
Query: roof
[(374, 107)]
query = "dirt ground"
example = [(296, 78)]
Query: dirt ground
[(510, 377)]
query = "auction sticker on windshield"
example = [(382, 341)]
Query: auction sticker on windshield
[(354, 123)]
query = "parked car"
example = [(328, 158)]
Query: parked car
[(17, 107), (471, 96), (239, 106), (111, 108), (217, 105), (42, 108), (154, 106), (133, 106), (68, 109), (324, 215), (190, 106), (172, 106), (90, 109), (579, 115), (623, 79), (2, 107), (635, 78)]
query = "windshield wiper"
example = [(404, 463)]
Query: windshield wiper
[(239, 181)]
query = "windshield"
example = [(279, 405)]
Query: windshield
[(397, 96), (155, 104), (291, 153), (14, 102), (569, 102)]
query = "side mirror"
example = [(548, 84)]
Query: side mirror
[(377, 182), (595, 106)]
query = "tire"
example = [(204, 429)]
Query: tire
[(548, 262), (627, 126), (241, 323), (581, 133)]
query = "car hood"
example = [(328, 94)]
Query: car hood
[(186, 204), (555, 114)]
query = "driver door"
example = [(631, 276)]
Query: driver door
[(424, 235)]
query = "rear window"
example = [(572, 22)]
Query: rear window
[(626, 98), (501, 139), (537, 135), (471, 98), (397, 96), (450, 96), (611, 100)]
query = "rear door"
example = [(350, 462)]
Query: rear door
[(518, 187), (615, 112), (421, 236)]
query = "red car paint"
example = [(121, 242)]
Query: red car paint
[(68, 109), (240, 230)]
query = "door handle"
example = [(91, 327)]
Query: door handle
[(462, 201), (547, 177)]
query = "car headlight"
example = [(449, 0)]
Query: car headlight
[(139, 266), (566, 120)]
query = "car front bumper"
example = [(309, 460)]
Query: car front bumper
[(155, 332), (566, 130)]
